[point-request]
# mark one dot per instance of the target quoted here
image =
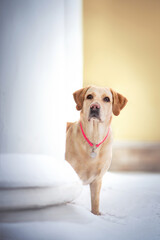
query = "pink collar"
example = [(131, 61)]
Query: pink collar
[(91, 144)]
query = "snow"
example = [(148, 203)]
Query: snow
[(28, 180), (33, 170), (130, 206)]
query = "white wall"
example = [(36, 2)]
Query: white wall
[(39, 40)]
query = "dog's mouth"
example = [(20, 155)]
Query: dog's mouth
[(94, 111)]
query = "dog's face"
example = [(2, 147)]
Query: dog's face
[(98, 103)]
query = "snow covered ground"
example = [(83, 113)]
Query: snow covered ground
[(130, 207)]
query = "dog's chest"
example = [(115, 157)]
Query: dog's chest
[(89, 168), (78, 154)]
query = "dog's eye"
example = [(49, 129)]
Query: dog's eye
[(106, 99), (89, 96)]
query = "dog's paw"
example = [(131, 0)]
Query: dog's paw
[(96, 212)]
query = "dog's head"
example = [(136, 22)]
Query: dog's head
[(98, 103)]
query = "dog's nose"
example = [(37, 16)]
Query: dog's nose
[(94, 110), (95, 106)]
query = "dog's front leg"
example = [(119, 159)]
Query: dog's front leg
[(95, 188)]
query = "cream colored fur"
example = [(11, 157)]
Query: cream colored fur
[(91, 170)]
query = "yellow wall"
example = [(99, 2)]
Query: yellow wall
[(122, 51)]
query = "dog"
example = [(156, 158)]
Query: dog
[(89, 141)]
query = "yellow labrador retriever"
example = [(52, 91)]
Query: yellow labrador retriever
[(89, 141)]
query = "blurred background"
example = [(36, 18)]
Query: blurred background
[(121, 50), (49, 49)]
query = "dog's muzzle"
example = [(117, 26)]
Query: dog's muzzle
[(94, 111)]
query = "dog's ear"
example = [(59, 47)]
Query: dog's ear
[(79, 97), (119, 102)]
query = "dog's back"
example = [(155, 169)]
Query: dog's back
[(69, 124)]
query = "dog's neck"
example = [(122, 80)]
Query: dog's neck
[(95, 130)]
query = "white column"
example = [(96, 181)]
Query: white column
[(38, 40), (74, 54), (40, 67)]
